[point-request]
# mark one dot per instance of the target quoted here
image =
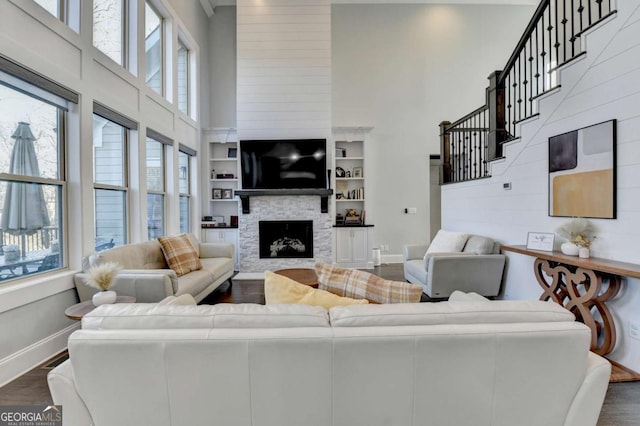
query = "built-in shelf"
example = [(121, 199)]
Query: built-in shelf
[(351, 178), (221, 150), (246, 194), (349, 158), (346, 200)]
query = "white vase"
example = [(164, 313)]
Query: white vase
[(584, 252), (104, 297), (570, 249)]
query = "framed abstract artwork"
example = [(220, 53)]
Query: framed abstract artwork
[(582, 172)]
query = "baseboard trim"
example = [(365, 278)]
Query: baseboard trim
[(391, 258), (17, 364), (240, 276)]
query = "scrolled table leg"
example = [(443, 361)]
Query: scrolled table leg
[(580, 291)]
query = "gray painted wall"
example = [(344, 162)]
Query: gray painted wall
[(35, 321), (403, 69), (603, 85), (222, 62)]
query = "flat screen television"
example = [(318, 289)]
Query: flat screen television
[(284, 164)]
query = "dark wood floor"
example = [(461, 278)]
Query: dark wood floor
[(621, 406)]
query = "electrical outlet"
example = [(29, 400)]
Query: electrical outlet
[(634, 329), (412, 210)]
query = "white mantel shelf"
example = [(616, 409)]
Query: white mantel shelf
[(246, 194)]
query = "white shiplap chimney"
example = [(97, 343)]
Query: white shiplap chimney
[(284, 69)]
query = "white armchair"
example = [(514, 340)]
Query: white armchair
[(473, 265)]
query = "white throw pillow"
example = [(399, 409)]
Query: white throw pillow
[(459, 296), (447, 242)]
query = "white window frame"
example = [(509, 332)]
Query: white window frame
[(60, 181), (187, 195), (163, 191), (182, 43), (124, 188), (163, 46), (192, 47), (125, 58), (68, 12)]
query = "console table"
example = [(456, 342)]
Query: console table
[(583, 286)]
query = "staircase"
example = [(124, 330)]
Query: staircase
[(553, 39)]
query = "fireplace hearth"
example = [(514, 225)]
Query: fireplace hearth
[(286, 239)]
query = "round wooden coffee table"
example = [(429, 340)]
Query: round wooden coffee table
[(305, 276), (77, 311)]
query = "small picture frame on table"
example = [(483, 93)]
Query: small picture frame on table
[(542, 241), (216, 193), (357, 172), (227, 194)]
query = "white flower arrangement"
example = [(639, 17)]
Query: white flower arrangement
[(103, 275), (579, 231)]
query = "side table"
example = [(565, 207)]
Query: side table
[(583, 286), (77, 311), (305, 276)]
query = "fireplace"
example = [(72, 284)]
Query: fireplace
[(290, 239)]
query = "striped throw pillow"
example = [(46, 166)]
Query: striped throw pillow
[(180, 254), (363, 285)]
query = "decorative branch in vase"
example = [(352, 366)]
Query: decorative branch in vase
[(101, 277), (579, 235)]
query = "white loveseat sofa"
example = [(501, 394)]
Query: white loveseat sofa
[(147, 277), (449, 363)]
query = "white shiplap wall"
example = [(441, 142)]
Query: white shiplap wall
[(603, 85), (283, 69)]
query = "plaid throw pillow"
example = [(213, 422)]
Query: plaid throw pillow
[(180, 254), (363, 285)]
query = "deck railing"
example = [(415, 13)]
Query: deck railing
[(551, 40), (38, 241)]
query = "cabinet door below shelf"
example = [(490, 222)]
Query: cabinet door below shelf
[(343, 246), (353, 247)]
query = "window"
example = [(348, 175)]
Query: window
[(67, 11), (32, 184), (109, 28), (155, 188), (153, 48), (110, 177), (52, 6), (184, 184), (183, 78)]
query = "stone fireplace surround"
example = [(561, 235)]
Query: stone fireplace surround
[(302, 207)]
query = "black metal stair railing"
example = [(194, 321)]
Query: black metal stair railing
[(551, 40), (467, 146)]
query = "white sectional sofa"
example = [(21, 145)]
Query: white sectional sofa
[(147, 277), (450, 363)]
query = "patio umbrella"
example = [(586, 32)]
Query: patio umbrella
[(25, 210)]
